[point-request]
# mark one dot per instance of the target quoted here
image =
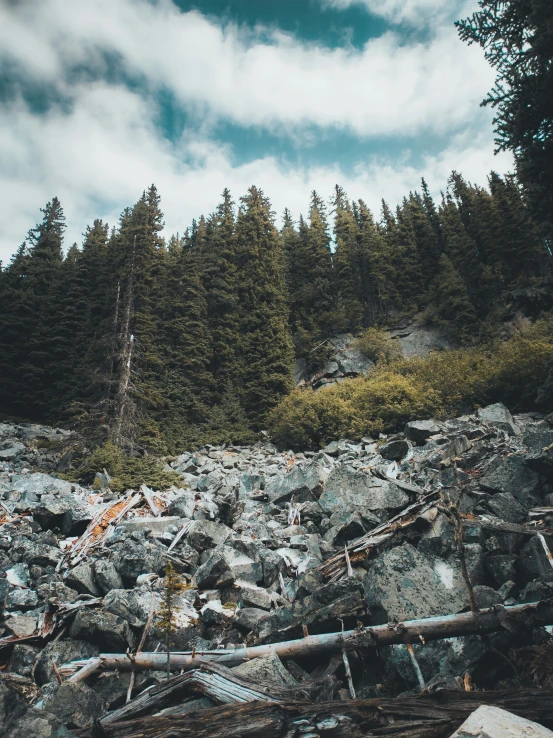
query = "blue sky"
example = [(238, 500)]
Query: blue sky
[(99, 98)]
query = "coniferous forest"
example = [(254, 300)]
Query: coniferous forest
[(155, 343)]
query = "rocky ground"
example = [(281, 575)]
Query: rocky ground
[(264, 542)]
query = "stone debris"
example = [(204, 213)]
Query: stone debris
[(277, 546)]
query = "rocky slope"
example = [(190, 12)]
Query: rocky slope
[(259, 536)]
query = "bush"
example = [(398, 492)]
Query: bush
[(442, 384), (127, 472), (377, 346)]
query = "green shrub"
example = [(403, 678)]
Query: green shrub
[(127, 472), (439, 385), (377, 346)]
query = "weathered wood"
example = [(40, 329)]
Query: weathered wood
[(88, 669), (525, 530), (434, 715), (437, 628), (222, 685)]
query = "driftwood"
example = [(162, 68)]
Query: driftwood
[(222, 685), (411, 631), (434, 715)]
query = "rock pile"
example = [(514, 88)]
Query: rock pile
[(273, 547)]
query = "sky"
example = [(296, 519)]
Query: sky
[(101, 98)]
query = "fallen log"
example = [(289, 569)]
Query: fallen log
[(502, 527), (223, 686), (411, 631), (434, 715)]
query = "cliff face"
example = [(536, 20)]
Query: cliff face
[(272, 547)]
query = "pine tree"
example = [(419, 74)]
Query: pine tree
[(220, 278), (346, 233), (36, 379), (265, 351), (376, 270), (185, 382), (453, 302)]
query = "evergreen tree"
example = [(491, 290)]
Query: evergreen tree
[(185, 383), (346, 233), (41, 267), (220, 279), (453, 302), (376, 270), (265, 351)]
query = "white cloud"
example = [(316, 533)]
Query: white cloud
[(257, 78), (414, 12), (100, 156)]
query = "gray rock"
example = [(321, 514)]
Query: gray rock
[(501, 567), (21, 599), (22, 659), (184, 505), (512, 475), (394, 450), (486, 597), (406, 584), (439, 661), (131, 559), (328, 602), (75, 705), (352, 362), (205, 534), (505, 507), (82, 579), (493, 722), (106, 576), (11, 451), (249, 617), (242, 566), (419, 431), (17, 720), (303, 483), (267, 669), (59, 653), (498, 416), (352, 491), (110, 632), (214, 572)]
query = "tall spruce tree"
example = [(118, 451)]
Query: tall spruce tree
[(346, 231), (220, 278), (265, 351)]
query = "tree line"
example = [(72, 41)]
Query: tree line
[(156, 342)]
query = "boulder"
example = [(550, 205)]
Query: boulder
[(406, 584), (207, 534), (500, 417), (214, 572), (512, 475), (110, 632), (266, 669), (131, 559), (303, 483), (106, 576), (59, 653), (419, 431), (394, 450), (82, 579), (17, 720), (493, 722), (75, 705), (351, 491)]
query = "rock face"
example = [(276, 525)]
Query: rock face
[(250, 530)]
